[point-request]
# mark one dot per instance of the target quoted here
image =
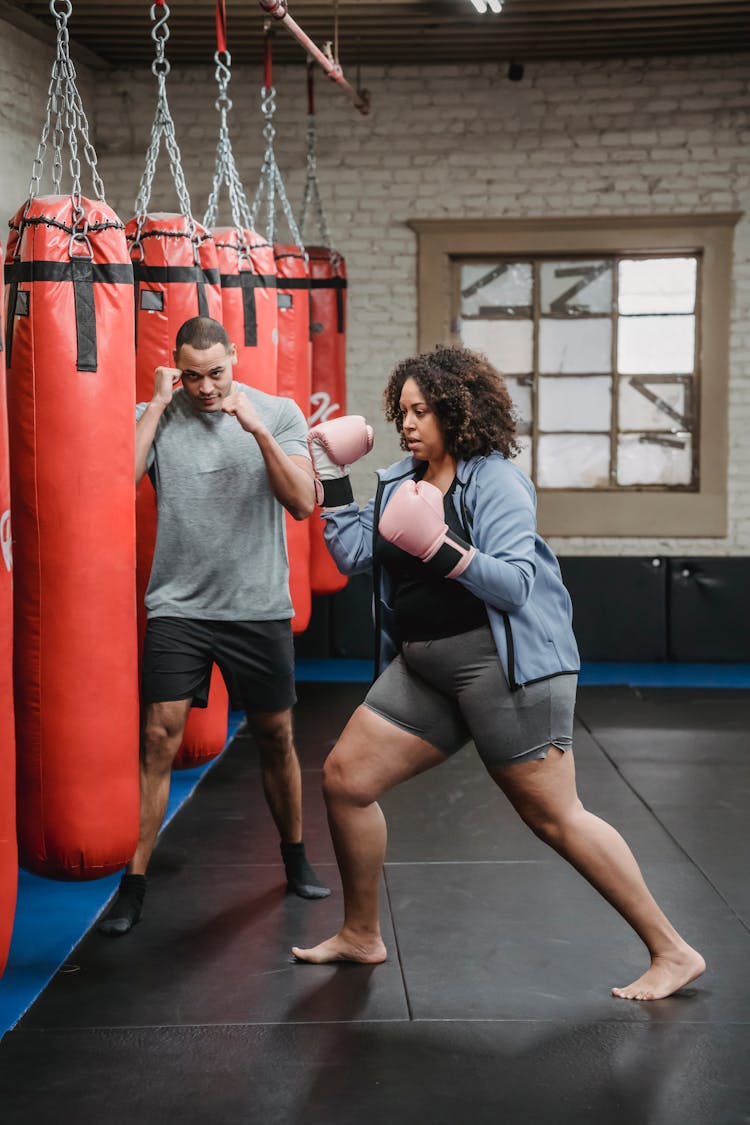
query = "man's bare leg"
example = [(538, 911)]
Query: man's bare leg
[(282, 785), (544, 794), (371, 756), (163, 728)]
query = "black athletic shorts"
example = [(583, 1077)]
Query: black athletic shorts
[(256, 659)]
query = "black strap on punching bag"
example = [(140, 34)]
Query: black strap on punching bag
[(83, 273)]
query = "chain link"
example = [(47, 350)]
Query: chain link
[(163, 126), (65, 108), (226, 166), (312, 192), (270, 184)]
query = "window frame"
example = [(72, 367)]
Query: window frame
[(645, 513)]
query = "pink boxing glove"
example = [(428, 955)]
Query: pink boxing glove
[(414, 520), (333, 447)]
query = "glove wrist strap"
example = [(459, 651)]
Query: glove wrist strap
[(452, 556), (334, 493)]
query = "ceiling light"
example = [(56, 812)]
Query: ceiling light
[(481, 6)]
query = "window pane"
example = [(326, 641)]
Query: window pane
[(576, 346), (489, 288), (573, 288), (575, 404), (508, 344), (573, 461), (646, 459), (520, 392), (638, 412), (657, 285), (656, 345)]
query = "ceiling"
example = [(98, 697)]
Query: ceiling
[(378, 32)]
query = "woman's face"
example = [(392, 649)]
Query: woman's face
[(420, 425)]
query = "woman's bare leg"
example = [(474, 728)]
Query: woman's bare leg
[(544, 794), (371, 756)]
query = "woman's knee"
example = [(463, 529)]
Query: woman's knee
[(344, 782), (552, 825)]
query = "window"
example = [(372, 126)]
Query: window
[(613, 338), (600, 359)]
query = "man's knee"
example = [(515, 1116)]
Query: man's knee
[(273, 735), (160, 740)]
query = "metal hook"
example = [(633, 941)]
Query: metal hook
[(161, 24)]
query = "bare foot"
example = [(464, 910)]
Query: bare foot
[(343, 947), (666, 975)]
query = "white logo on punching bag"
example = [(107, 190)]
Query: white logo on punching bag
[(6, 543), (322, 408)]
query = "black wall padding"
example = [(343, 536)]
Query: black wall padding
[(351, 619), (315, 642), (709, 609), (619, 606)]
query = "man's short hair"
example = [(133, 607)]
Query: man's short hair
[(202, 332)]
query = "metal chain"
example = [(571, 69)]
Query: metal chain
[(270, 183), (163, 125), (312, 192), (65, 105), (226, 166)]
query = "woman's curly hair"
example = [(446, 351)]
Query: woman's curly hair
[(468, 396)]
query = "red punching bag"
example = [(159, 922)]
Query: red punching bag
[(293, 381), (8, 848), (294, 353), (176, 277), (175, 271), (328, 334), (328, 394), (246, 262), (249, 306), (69, 338)]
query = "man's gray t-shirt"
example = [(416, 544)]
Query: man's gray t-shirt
[(221, 542)]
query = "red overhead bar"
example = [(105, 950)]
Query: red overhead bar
[(279, 10)]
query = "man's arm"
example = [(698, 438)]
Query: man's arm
[(165, 379), (291, 476)]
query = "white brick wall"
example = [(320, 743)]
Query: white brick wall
[(596, 138)]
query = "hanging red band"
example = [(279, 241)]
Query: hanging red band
[(267, 60), (221, 27)]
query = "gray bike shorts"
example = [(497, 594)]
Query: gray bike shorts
[(453, 690)]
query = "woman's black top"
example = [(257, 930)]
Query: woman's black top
[(427, 606)]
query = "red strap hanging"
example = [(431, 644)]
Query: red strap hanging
[(221, 27), (267, 59)]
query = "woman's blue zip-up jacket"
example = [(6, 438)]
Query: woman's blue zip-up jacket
[(513, 571)]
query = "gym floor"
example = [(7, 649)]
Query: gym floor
[(494, 1003)]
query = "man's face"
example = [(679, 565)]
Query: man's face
[(206, 374)]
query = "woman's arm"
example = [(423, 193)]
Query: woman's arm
[(348, 536), (502, 571)]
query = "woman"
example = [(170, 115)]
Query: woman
[(475, 641)]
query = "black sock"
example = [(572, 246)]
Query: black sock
[(127, 907), (300, 875)]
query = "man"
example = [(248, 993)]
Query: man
[(225, 460)]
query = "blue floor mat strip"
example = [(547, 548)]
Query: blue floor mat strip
[(51, 917), (599, 674)]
